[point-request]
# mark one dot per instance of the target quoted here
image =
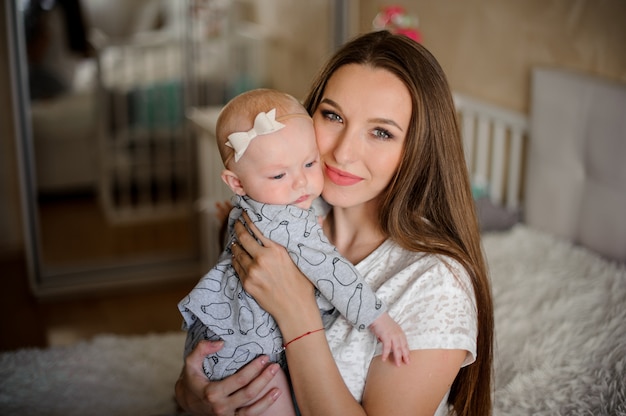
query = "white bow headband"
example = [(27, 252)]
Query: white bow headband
[(264, 123)]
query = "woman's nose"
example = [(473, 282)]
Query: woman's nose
[(345, 147)]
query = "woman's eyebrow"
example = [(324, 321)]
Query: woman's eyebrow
[(331, 103), (374, 120), (387, 121)]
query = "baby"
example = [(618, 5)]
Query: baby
[(267, 142)]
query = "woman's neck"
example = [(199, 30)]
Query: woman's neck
[(355, 231)]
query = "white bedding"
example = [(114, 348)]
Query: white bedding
[(121, 376), (560, 320)]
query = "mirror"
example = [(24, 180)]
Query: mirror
[(110, 173), (109, 157)]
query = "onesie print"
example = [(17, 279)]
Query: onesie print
[(219, 308)]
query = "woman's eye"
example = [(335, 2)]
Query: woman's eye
[(329, 115), (382, 134)]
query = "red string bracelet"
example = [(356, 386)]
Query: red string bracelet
[(302, 336)]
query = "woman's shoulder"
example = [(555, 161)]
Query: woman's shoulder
[(390, 262), (393, 255)]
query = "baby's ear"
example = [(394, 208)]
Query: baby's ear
[(231, 179)]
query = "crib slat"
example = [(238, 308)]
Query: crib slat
[(468, 137), (515, 170), (481, 171), (498, 156)]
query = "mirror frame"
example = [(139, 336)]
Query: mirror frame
[(50, 284)]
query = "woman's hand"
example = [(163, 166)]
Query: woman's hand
[(199, 396), (269, 274)]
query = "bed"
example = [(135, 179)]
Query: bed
[(551, 193), (559, 277)]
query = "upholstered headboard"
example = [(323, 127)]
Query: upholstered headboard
[(576, 167)]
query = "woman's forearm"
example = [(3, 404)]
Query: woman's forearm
[(413, 388), (270, 276), (318, 385)]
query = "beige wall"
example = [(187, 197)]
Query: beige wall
[(299, 41), (488, 47)]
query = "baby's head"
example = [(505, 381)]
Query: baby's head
[(239, 113), (275, 160)]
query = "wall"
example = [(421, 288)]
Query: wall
[(488, 47), (299, 41)]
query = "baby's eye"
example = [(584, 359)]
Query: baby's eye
[(310, 164), (332, 116), (282, 175), (382, 134)]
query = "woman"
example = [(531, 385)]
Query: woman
[(402, 212)]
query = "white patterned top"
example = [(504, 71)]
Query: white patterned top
[(431, 298)]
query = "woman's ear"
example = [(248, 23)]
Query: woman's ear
[(231, 179)]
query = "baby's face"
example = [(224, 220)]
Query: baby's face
[(283, 167)]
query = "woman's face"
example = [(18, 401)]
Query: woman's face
[(361, 125)]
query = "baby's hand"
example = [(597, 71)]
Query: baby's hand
[(392, 336)]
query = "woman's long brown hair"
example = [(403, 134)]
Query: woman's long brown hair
[(428, 206)]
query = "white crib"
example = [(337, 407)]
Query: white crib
[(146, 144), (493, 138)]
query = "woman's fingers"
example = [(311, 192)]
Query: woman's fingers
[(260, 406), (240, 260), (250, 236), (191, 387), (193, 362), (249, 243), (232, 395), (254, 378)]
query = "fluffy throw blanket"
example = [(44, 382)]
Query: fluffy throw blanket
[(108, 375), (560, 345), (560, 316)]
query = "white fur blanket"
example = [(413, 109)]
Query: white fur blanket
[(560, 327), (106, 376), (560, 334)]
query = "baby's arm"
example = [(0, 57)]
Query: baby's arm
[(392, 336)]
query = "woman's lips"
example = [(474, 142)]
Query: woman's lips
[(340, 177)]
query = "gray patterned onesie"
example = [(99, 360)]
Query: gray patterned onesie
[(219, 308)]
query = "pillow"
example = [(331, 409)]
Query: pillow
[(492, 217)]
